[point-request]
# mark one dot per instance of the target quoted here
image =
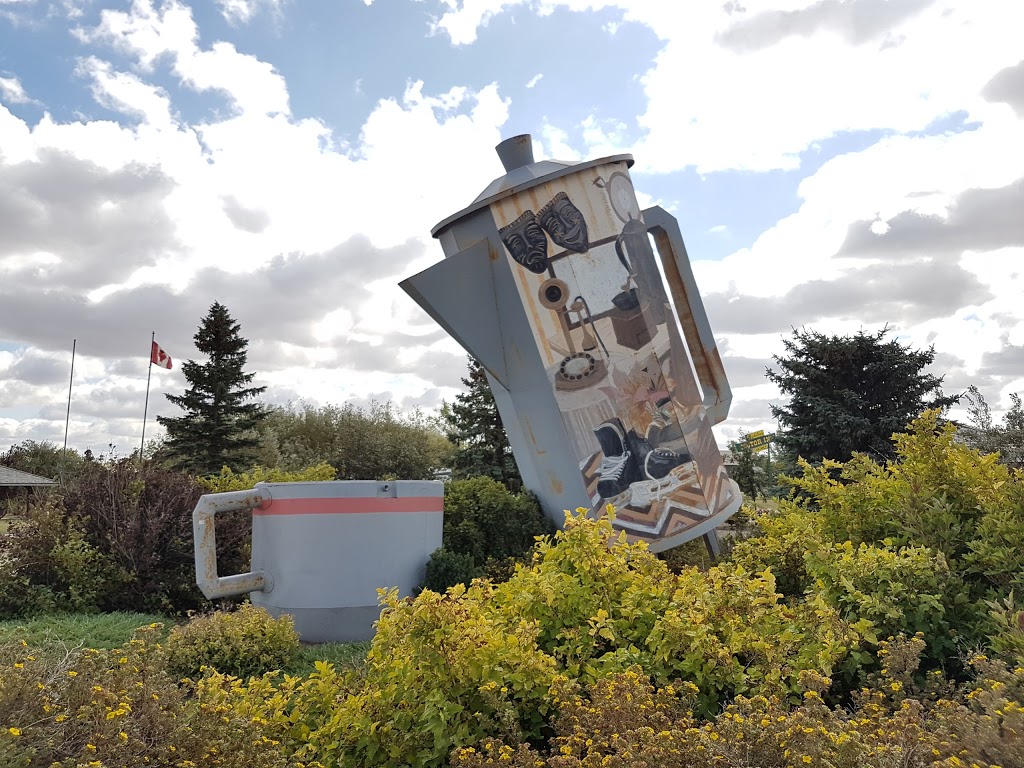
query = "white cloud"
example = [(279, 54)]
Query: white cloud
[(256, 192), (242, 11), (306, 234), (534, 80), (751, 89), (12, 91), (150, 34), (125, 93)]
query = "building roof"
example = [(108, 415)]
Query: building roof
[(16, 478)]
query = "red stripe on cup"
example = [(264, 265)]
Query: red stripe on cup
[(352, 506)]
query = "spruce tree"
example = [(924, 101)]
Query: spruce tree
[(850, 394), (218, 427), (473, 425)]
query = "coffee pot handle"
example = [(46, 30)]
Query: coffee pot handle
[(204, 533), (690, 308)]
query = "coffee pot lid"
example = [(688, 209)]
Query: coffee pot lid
[(521, 173)]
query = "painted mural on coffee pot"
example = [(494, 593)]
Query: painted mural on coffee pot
[(612, 346), (590, 334)]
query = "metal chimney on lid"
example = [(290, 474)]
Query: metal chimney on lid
[(552, 283), (516, 152)]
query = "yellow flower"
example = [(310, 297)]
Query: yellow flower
[(806, 758), (91, 747), (122, 736), (19, 665), (72, 673), (14, 731)]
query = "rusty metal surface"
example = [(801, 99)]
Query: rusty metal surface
[(204, 533)]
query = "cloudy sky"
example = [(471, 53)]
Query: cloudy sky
[(834, 164)]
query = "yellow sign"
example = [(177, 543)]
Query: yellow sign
[(759, 441)]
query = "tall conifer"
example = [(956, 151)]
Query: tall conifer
[(221, 414)]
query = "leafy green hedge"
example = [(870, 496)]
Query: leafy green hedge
[(486, 529)]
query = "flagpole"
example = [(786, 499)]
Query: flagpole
[(67, 418), (145, 412)]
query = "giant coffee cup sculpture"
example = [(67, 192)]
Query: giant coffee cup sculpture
[(551, 282)]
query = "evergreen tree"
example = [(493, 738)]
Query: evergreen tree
[(850, 393), (473, 425), (218, 428)]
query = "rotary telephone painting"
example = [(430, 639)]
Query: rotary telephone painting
[(526, 238)]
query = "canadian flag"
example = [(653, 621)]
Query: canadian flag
[(159, 357)]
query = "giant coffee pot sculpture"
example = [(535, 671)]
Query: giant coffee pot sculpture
[(551, 282)]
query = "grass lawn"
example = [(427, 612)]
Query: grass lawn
[(339, 654), (111, 630), (104, 630)]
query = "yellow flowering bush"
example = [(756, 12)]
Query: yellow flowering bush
[(623, 721), (248, 641), (68, 708), (928, 542), (495, 661), (442, 671)]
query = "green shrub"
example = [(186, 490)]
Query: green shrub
[(229, 480), (919, 544), (142, 521), (934, 495), (50, 566), (120, 539), (446, 569), (483, 520), (780, 543), (906, 591), (245, 642), (692, 554), (996, 554), (1007, 628), (442, 671), (494, 660)]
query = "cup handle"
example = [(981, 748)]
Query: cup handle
[(690, 308), (204, 533)]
